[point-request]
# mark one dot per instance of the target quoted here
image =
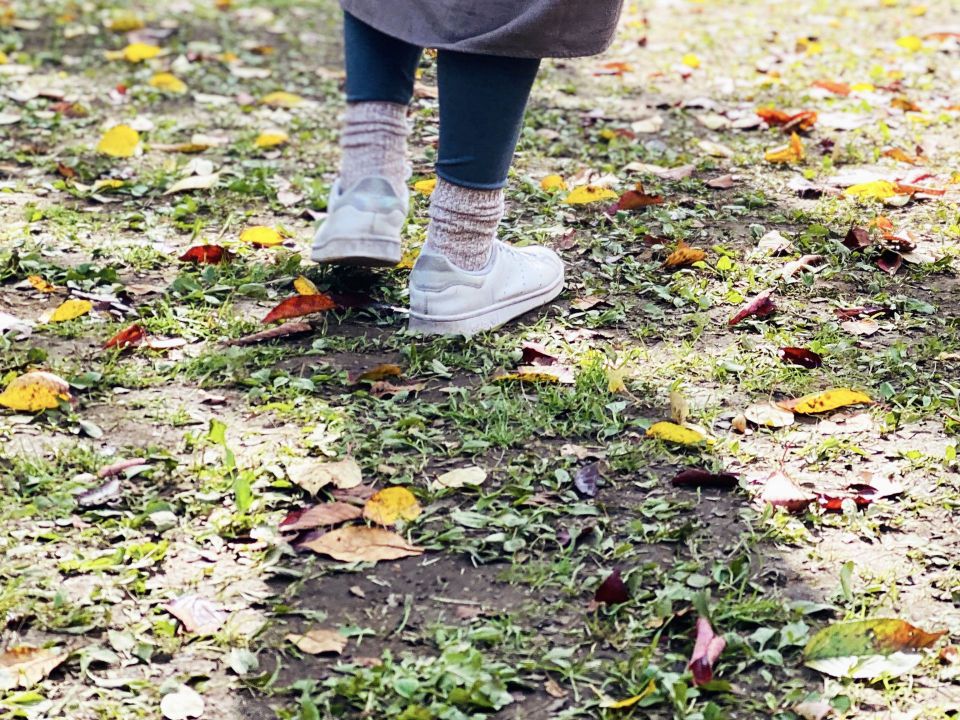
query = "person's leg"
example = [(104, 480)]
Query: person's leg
[(380, 77), (369, 202), (482, 103)]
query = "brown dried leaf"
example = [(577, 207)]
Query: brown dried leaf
[(357, 543)]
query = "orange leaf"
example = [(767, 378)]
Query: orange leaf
[(132, 335), (41, 285), (790, 153), (300, 305), (905, 104), (206, 254), (684, 255), (907, 189), (634, 199), (837, 88), (901, 155)]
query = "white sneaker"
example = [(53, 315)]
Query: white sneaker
[(445, 300), (363, 224)]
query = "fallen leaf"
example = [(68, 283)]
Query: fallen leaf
[(461, 477), (312, 475), (800, 356), (198, 615), (41, 285), (630, 701), (298, 306), (684, 255), (769, 415), (826, 401), (261, 236), (890, 261), (70, 310), (181, 704), (128, 337), (318, 641), (872, 190), (305, 286), (837, 88), (425, 187), (269, 139), (552, 183), (760, 306), (585, 194), (357, 543), (634, 200), (168, 82), (34, 391), (901, 155), (858, 239), (715, 149), (863, 328), (781, 491), (613, 590), (120, 141), (679, 407), (379, 372), (331, 513), (673, 433), (138, 52), (553, 689), (559, 374), (706, 652), (867, 648), (281, 99), (586, 478), (695, 477), (23, 666), (194, 182), (382, 388), (274, 333), (813, 709), (100, 495), (790, 153), (206, 254), (721, 182), (390, 505)]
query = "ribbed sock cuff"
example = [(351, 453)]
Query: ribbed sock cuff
[(463, 223)]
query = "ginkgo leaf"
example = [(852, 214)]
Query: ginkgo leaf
[(826, 401), (552, 183), (268, 139), (671, 432), (138, 52), (357, 543), (23, 666), (300, 305), (281, 99), (425, 187), (119, 141), (390, 505), (168, 82), (70, 309), (40, 284), (585, 194), (318, 641), (262, 236), (305, 286), (34, 391)]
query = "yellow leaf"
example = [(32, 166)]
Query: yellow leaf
[(125, 22), (35, 391), (409, 258), (584, 194), (690, 60), (425, 187), (357, 543), (3, 58), (873, 190), (119, 141), (616, 376), (391, 504), (305, 286), (271, 139), (628, 702), (553, 182), (168, 82), (826, 401), (863, 87), (910, 43), (671, 432), (108, 184), (138, 52), (281, 99), (70, 309), (40, 284), (261, 235), (790, 153)]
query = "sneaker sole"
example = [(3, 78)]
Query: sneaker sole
[(366, 251), (488, 319)]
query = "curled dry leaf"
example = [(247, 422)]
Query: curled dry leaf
[(780, 491), (706, 652), (837, 88), (722, 182), (325, 514), (298, 306), (34, 391), (357, 543), (792, 152), (536, 354), (802, 263), (128, 337), (24, 666), (826, 401), (313, 474), (695, 477), (198, 615), (391, 504), (760, 307), (769, 415), (194, 182), (274, 333), (472, 476), (318, 641), (206, 254), (684, 255), (800, 356), (858, 238), (613, 590)]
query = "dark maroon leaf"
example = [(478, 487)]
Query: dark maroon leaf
[(695, 477), (351, 299), (536, 354), (800, 356), (586, 479), (760, 307), (890, 261), (612, 590), (865, 311), (857, 239)]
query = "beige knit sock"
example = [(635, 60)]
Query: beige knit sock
[(463, 223), (374, 142)]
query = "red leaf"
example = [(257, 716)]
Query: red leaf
[(761, 306), (634, 200), (706, 652), (206, 254), (300, 305), (800, 356), (129, 336), (695, 477), (837, 88), (612, 590), (890, 261), (857, 239), (865, 311)]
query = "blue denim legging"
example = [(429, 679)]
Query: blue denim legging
[(482, 99)]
